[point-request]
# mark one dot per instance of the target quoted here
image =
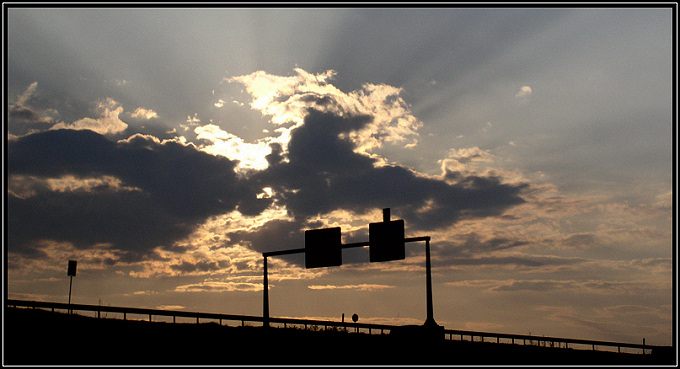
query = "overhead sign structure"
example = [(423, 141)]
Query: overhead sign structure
[(323, 247)]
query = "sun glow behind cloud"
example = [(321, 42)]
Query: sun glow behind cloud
[(250, 156), (286, 100)]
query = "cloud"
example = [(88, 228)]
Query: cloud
[(249, 156), (324, 173), (27, 186), (143, 113), (107, 123), (287, 99), (360, 287), (22, 111), (50, 256), (593, 287), (217, 286), (141, 193), (525, 91), (170, 307)]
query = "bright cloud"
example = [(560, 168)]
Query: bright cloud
[(286, 100), (525, 91), (23, 98), (143, 113), (107, 123), (220, 286), (249, 155), (360, 287), (24, 186), (97, 257), (170, 307)]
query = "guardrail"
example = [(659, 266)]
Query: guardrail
[(370, 328)]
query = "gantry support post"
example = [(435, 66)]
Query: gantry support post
[(265, 299), (428, 280)]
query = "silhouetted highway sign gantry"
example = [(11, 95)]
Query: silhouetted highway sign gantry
[(323, 248)]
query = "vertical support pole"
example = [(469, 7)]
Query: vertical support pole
[(265, 298), (428, 270), (70, 284)]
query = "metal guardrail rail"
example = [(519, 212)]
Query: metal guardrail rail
[(370, 327)]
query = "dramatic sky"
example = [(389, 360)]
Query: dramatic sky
[(166, 149)]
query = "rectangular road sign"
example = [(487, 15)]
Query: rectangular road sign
[(323, 247), (386, 241), (72, 268)]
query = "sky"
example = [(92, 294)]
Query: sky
[(166, 149)]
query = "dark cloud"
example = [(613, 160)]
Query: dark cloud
[(276, 234), (473, 244), (25, 114), (323, 173), (171, 189), (201, 266), (22, 119)]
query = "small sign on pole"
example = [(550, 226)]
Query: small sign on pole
[(71, 273), (72, 268)]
